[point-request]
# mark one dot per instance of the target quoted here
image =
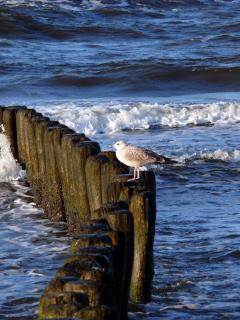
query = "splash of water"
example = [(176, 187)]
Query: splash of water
[(10, 170)]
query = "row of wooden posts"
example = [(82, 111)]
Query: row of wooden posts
[(112, 220)]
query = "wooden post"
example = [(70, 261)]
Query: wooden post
[(143, 209), (94, 181), (75, 151), (81, 151), (2, 108), (100, 171), (141, 197), (9, 122), (32, 160), (109, 169), (22, 138), (85, 287), (121, 221), (39, 152)]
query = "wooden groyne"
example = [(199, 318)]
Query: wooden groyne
[(112, 219)]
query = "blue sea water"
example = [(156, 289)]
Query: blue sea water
[(160, 74)]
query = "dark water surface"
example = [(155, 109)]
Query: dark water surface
[(118, 48), (161, 74)]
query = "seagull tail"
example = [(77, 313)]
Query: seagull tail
[(165, 160)]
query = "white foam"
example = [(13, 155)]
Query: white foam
[(10, 170), (189, 306), (222, 155), (217, 155), (64, 4), (114, 117)]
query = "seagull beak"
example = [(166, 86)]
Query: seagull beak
[(110, 145)]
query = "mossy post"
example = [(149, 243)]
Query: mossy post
[(85, 287), (100, 171), (120, 220), (110, 168), (94, 181), (72, 157), (53, 187), (143, 209), (22, 137), (9, 122), (41, 187), (33, 162), (1, 114), (141, 197), (116, 234), (81, 151)]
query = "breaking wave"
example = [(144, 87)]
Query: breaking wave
[(115, 117), (212, 156)]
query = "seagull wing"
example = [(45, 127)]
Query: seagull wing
[(159, 158), (145, 156), (139, 154)]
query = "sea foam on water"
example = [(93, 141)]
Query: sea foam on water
[(10, 170), (114, 117)]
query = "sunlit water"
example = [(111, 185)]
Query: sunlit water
[(160, 74)]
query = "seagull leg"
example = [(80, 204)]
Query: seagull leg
[(138, 173), (134, 175)]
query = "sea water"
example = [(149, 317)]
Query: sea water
[(159, 74)]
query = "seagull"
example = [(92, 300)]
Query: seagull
[(137, 157)]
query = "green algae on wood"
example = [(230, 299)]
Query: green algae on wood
[(74, 153), (109, 169), (81, 151), (143, 209), (94, 181), (22, 138)]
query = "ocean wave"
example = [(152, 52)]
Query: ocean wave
[(211, 156), (136, 76), (115, 117), (96, 4), (63, 25), (10, 170), (222, 155)]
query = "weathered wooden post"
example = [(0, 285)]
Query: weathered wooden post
[(22, 138), (2, 108), (81, 151), (53, 187), (30, 148), (75, 151), (100, 170), (63, 153), (94, 180), (9, 122), (84, 288), (120, 220), (109, 169), (38, 153), (143, 208), (141, 197)]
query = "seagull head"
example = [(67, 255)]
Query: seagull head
[(119, 145)]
